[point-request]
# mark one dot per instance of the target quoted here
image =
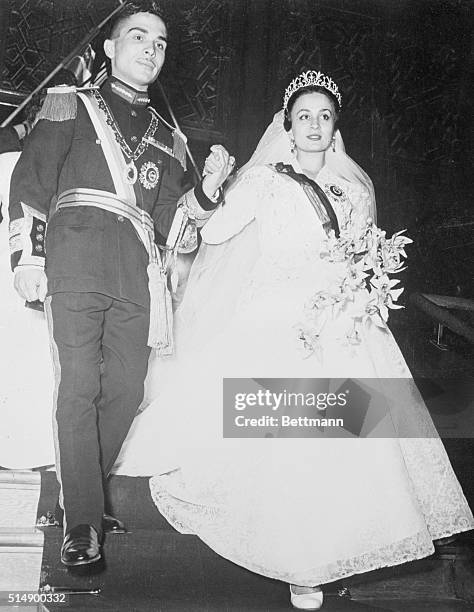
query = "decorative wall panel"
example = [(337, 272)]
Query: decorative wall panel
[(201, 57), (40, 33)]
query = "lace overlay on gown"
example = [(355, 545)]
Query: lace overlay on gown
[(306, 511), (241, 550)]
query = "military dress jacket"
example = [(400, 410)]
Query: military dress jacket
[(88, 249), (9, 140)]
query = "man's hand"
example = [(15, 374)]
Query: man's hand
[(219, 164), (31, 283)]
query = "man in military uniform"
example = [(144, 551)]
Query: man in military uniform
[(92, 159)]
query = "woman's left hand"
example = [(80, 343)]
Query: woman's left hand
[(219, 164)]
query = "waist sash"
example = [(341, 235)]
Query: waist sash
[(160, 334)]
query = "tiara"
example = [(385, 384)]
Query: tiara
[(311, 77)]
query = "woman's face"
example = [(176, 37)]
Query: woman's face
[(313, 119)]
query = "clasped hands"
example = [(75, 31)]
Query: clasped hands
[(218, 166)]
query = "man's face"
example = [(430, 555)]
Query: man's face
[(137, 51)]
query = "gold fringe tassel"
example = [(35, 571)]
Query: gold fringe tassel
[(60, 104), (160, 336)]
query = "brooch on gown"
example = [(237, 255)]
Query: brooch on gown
[(335, 190)]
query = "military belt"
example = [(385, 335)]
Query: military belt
[(161, 317)]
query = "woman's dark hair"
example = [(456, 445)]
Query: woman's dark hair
[(305, 90), (132, 8)]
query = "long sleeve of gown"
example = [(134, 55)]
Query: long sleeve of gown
[(239, 207), (171, 194)]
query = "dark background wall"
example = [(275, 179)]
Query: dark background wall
[(404, 68)]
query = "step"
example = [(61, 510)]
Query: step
[(21, 554), (21, 545), (19, 497)]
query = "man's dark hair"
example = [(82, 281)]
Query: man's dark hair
[(132, 8)]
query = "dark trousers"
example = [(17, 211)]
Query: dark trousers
[(100, 355)]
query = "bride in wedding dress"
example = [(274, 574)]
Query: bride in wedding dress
[(313, 509)]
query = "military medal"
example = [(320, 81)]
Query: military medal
[(131, 173), (149, 175)]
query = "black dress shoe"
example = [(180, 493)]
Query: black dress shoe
[(81, 546), (110, 524)]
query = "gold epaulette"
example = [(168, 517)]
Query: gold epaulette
[(60, 103), (179, 141)]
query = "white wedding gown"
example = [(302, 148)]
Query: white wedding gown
[(306, 511), (26, 387)]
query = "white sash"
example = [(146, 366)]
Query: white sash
[(160, 334)]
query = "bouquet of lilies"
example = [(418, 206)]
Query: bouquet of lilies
[(363, 284)]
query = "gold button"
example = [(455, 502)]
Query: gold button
[(133, 113), (38, 248), (134, 139), (120, 218)]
